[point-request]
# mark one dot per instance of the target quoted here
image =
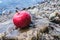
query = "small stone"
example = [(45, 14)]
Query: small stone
[(44, 29), (2, 35), (55, 17), (34, 38), (52, 15)]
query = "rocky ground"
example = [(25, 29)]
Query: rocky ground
[(45, 23)]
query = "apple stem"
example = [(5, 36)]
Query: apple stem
[(17, 12)]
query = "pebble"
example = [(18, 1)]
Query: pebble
[(55, 17)]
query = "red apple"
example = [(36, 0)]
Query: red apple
[(22, 19)]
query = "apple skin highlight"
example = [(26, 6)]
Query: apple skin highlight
[(22, 19)]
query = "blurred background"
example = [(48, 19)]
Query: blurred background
[(12, 4)]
